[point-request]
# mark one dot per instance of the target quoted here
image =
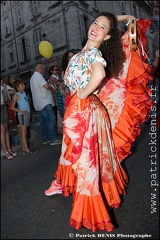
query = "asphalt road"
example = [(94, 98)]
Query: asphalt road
[(26, 213)]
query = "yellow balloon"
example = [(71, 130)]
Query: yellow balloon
[(45, 49)]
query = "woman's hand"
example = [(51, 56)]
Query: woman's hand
[(80, 93), (130, 18)]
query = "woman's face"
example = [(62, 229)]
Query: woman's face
[(11, 80), (55, 71), (99, 29)]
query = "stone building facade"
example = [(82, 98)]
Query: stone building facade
[(24, 24)]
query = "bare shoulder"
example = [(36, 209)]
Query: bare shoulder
[(16, 97)]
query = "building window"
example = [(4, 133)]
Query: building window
[(131, 8), (37, 40), (24, 49), (83, 26), (123, 7), (134, 11), (11, 57), (95, 4), (19, 16), (7, 26), (2, 61), (138, 13), (35, 7), (4, 5)]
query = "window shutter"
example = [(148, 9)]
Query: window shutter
[(123, 7), (19, 15), (40, 35), (36, 37), (27, 48), (35, 7), (21, 51)]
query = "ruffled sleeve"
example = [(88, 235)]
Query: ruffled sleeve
[(94, 55)]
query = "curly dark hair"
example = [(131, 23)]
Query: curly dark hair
[(112, 49)]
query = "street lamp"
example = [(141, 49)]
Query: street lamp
[(44, 36)]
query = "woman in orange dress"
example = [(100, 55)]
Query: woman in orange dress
[(89, 166)]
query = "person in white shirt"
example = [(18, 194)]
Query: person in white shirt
[(43, 102)]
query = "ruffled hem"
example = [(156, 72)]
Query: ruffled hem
[(90, 212), (128, 99), (66, 177), (115, 188), (136, 107)]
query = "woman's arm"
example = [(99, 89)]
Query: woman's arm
[(125, 18), (97, 75)]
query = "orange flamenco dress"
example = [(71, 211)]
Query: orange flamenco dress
[(89, 167)]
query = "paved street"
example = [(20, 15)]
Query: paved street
[(26, 213)]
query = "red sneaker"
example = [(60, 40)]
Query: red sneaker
[(55, 188)]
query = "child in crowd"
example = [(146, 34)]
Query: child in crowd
[(10, 92), (5, 92), (60, 102), (23, 110), (5, 138)]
